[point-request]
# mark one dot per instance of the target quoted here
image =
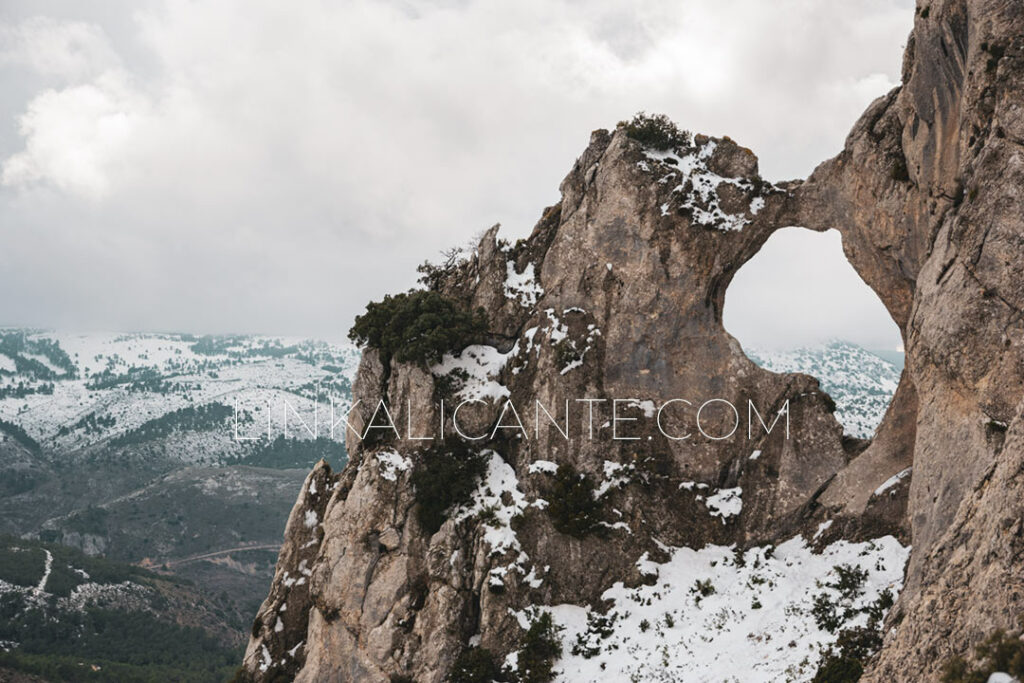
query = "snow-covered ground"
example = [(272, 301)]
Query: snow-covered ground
[(477, 368), (712, 615)]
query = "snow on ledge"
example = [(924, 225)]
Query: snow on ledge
[(701, 197), (542, 466), (892, 481), (522, 287)]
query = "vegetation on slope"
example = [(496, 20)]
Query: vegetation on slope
[(188, 419), (1000, 652), (288, 453), (442, 478), (133, 628), (18, 434)]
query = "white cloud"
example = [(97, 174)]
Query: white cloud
[(77, 137), (70, 50), (273, 152)]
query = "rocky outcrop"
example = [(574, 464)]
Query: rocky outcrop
[(927, 195), (618, 294)]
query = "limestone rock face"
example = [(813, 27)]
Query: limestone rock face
[(618, 294), (928, 196)]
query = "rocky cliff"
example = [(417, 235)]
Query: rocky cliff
[(618, 293)]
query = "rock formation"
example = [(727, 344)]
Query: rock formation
[(618, 293)]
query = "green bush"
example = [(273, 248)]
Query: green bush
[(432, 275), (541, 647), (476, 665), (825, 614), (656, 131), (838, 669), (850, 581), (844, 661), (599, 627), (878, 609), (447, 386), (573, 508), (830, 613), (22, 566), (242, 675), (703, 588), (418, 327), (1001, 651), (443, 477)]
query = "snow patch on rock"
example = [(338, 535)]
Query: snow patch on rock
[(481, 366), (892, 481), (391, 463), (725, 503), (522, 287), (697, 188)]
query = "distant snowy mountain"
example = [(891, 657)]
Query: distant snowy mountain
[(69, 392), (860, 382)]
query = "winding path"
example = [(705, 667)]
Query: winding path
[(47, 568)]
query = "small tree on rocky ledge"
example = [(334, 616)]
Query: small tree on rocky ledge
[(418, 327), (656, 131), (1001, 652), (573, 507), (541, 647)]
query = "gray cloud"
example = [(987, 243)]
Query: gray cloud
[(254, 167)]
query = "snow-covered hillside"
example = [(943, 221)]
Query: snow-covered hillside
[(69, 392), (861, 383)]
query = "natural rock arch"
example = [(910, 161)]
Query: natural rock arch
[(631, 267), (926, 195)]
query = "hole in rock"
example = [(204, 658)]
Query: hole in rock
[(799, 306)]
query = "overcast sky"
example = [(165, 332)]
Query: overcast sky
[(260, 166)]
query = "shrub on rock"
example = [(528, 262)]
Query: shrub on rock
[(418, 327)]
